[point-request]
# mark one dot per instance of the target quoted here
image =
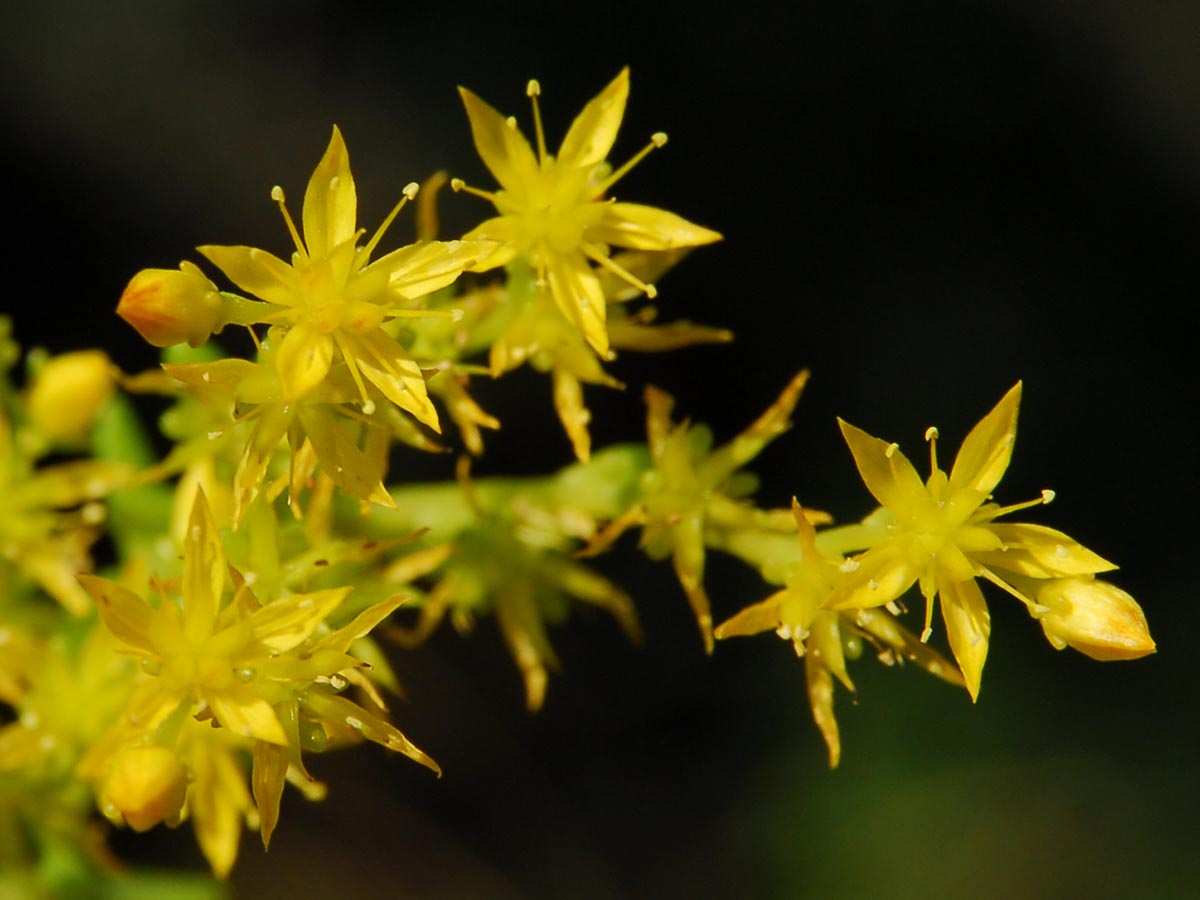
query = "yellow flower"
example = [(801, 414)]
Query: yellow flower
[(553, 209), (695, 494), (825, 639), (51, 516), (943, 534), (333, 302)]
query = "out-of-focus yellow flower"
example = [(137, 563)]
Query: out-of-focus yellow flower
[(333, 302), (1096, 618), (943, 534), (554, 209), (827, 639), (68, 394), (695, 492), (170, 306), (49, 516)]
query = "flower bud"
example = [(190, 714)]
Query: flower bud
[(145, 786), (68, 393), (1096, 618), (169, 306)]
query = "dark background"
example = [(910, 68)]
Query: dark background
[(923, 202)]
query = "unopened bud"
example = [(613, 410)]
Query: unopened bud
[(146, 785), (170, 306), (68, 393), (1096, 618)]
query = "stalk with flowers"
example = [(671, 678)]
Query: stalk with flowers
[(262, 568)]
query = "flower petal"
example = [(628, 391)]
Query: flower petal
[(594, 130), (124, 613), (257, 272), (330, 202), (303, 360), (388, 366), (501, 146), (244, 712), (985, 454), (641, 227), (886, 472), (1041, 552), (289, 621), (421, 269), (203, 571), (576, 290), (968, 626), (820, 698)]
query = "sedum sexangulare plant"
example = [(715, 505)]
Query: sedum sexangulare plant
[(261, 567)]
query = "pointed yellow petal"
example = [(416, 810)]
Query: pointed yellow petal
[(761, 616), (968, 626), (266, 780), (820, 698), (985, 454), (330, 203), (388, 366), (568, 402), (576, 290), (502, 148), (594, 130), (421, 269), (825, 643), (245, 713), (1041, 552), (289, 621), (217, 799), (203, 571), (687, 539), (303, 360), (341, 459), (123, 612), (641, 227), (886, 472), (884, 627), (257, 272)]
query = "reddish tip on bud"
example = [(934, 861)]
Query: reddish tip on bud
[(170, 306), (1096, 618)]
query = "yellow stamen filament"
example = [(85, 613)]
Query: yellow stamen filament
[(348, 357), (534, 90), (624, 274), (1008, 588), (658, 139), (1047, 496), (410, 193), (931, 435), (278, 196), (454, 315)]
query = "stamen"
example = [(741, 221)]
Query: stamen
[(1009, 589), (1047, 496), (658, 139), (278, 196), (410, 193), (891, 449), (352, 364), (620, 271), (931, 435), (534, 90), (927, 631), (457, 184)]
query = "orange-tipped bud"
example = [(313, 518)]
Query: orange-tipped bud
[(170, 306), (68, 394), (1096, 618), (145, 786)]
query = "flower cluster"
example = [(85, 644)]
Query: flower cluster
[(232, 631)]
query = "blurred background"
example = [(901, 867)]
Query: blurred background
[(922, 201)]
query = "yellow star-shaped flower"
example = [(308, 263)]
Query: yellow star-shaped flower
[(554, 209), (944, 534), (331, 301)]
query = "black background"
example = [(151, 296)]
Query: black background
[(923, 202)]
